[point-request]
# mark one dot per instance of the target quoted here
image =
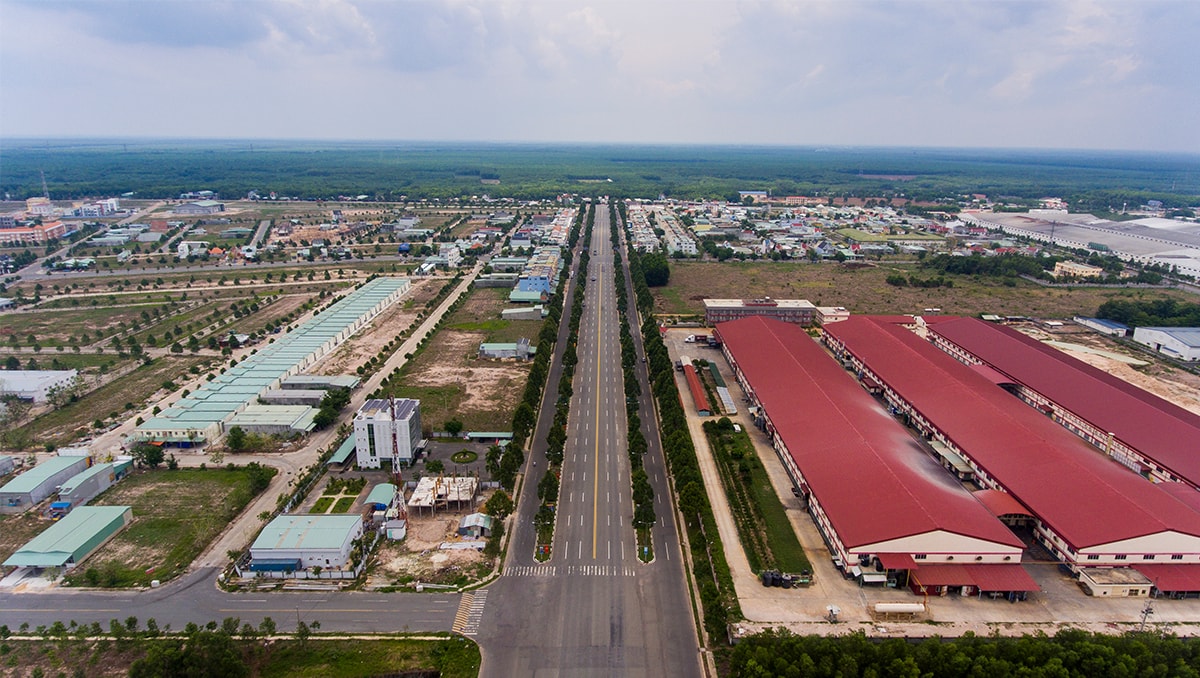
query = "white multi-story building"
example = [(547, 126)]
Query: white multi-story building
[(387, 429)]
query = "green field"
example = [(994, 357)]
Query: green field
[(317, 657), (176, 514)]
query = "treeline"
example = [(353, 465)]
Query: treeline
[(1067, 654), (707, 556), (1153, 313), (556, 437), (1001, 266), (506, 466), (390, 171), (643, 492)]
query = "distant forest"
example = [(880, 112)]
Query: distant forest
[(1154, 313), (1091, 181)]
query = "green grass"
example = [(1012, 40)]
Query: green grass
[(451, 658), (464, 457), (454, 657), (322, 505), (762, 523), (344, 504), (176, 514)]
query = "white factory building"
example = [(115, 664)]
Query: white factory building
[(387, 429)]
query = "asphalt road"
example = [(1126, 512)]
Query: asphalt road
[(195, 598), (593, 608)]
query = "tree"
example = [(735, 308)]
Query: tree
[(656, 269), (235, 439), (150, 456), (204, 653), (435, 466), (548, 487), (453, 427), (499, 505)]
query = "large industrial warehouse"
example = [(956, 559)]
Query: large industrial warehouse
[(1089, 511), (885, 508), (203, 415), (1153, 437)]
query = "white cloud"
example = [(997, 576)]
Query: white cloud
[(925, 72)]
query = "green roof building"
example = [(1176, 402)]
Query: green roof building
[(39, 482), (71, 540), (296, 542)]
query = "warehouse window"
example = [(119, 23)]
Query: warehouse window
[(1120, 556), (919, 556), (1177, 556), (1148, 556), (1093, 557)]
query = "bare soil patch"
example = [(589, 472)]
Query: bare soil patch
[(418, 557)]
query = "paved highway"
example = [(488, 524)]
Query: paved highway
[(593, 608), (195, 598)]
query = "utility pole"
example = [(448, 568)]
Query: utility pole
[(1147, 610)]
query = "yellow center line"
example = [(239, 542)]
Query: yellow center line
[(596, 471)]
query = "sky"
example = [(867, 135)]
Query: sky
[(1086, 74)]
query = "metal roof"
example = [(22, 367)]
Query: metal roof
[(265, 369), (383, 493), (306, 532), (1188, 336), (869, 475), (1160, 430), (34, 477), (79, 478), (63, 540), (342, 455), (1084, 497)]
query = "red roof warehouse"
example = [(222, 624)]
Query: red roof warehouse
[(1089, 510), (1150, 435), (872, 490)]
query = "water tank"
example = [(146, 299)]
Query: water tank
[(899, 608)]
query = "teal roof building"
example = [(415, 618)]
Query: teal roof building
[(71, 540)]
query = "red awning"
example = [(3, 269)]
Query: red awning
[(989, 577), (1001, 503), (942, 574), (897, 561), (1172, 578), (1002, 577)]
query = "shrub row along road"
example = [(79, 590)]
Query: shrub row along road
[(593, 608)]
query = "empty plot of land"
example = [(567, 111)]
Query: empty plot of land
[(176, 514), (63, 425), (450, 379), (865, 290)]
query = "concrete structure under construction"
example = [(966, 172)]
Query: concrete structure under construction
[(203, 415), (387, 429)]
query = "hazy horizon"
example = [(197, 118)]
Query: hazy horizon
[(1072, 75)]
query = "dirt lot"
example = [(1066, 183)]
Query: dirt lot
[(418, 557), (866, 290), (1161, 379), (368, 343), (452, 382)]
